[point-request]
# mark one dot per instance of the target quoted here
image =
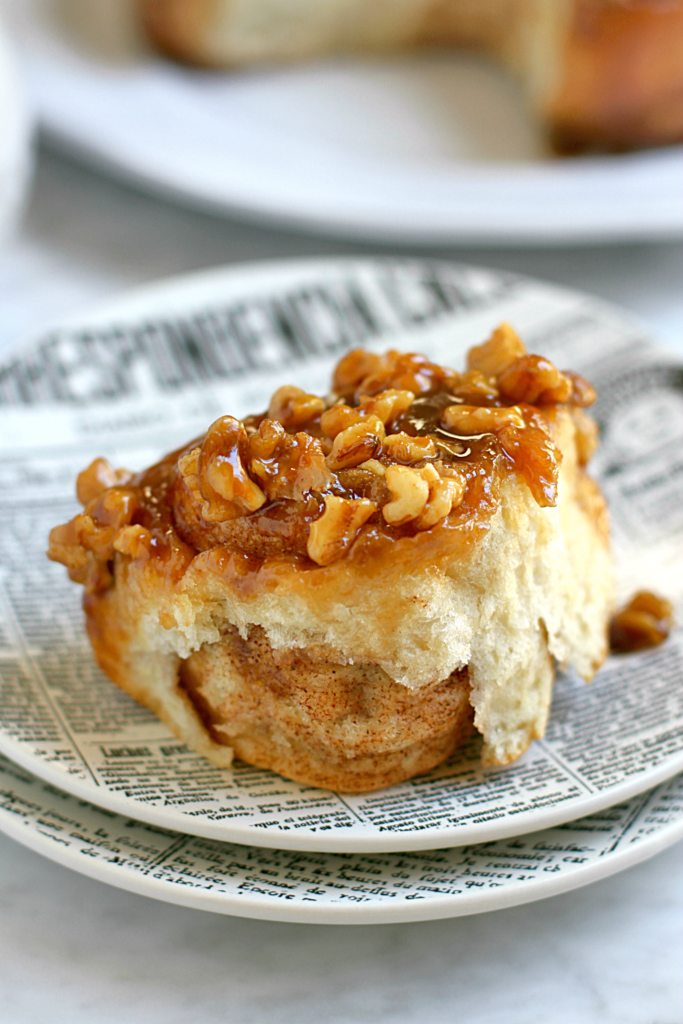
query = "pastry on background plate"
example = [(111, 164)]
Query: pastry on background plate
[(598, 73), (343, 588)]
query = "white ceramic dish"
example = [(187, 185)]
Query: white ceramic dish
[(334, 888), (421, 150), (142, 374), (15, 138)]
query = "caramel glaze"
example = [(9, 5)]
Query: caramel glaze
[(240, 502), (255, 551), (241, 548), (280, 528)]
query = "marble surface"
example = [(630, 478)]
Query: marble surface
[(73, 950)]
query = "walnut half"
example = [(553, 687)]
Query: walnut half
[(335, 531), (422, 496)]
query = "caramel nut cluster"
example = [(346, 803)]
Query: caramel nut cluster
[(473, 419), (286, 465), (97, 478), (356, 444), (643, 623), (402, 446), (502, 349), (85, 545), (405, 449), (385, 408), (292, 407), (363, 374)]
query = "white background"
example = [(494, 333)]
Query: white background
[(72, 950)]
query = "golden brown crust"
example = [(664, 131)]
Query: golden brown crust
[(622, 84), (178, 27)]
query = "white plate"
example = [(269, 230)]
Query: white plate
[(131, 381), (15, 138), (329, 888), (424, 150)]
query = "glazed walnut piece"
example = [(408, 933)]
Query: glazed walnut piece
[(335, 531), (85, 545), (421, 496), (643, 623), (402, 446)]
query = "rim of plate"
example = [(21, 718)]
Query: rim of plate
[(535, 210), (400, 842), (271, 908)]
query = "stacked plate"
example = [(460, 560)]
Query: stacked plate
[(96, 782)]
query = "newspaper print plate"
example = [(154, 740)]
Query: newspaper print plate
[(329, 888), (151, 369)]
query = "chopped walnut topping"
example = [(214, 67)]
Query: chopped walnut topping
[(445, 494), (358, 376), (645, 622), (409, 492), (400, 436), (335, 531), (352, 370), (225, 485), (473, 386), (135, 541), (65, 548), (583, 394), (472, 419), (98, 476), (404, 448), (373, 466), (338, 418), (267, 440), (312, 472), (534, 380), (188, 470), (495, 355), (85, 545), (287, 466), (113, 508), (422, 496), (357, 444), (387, 405), (294, 407)]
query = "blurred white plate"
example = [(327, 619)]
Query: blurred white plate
[(15, 139), (148, 370), (329, 888), (436, 148)]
